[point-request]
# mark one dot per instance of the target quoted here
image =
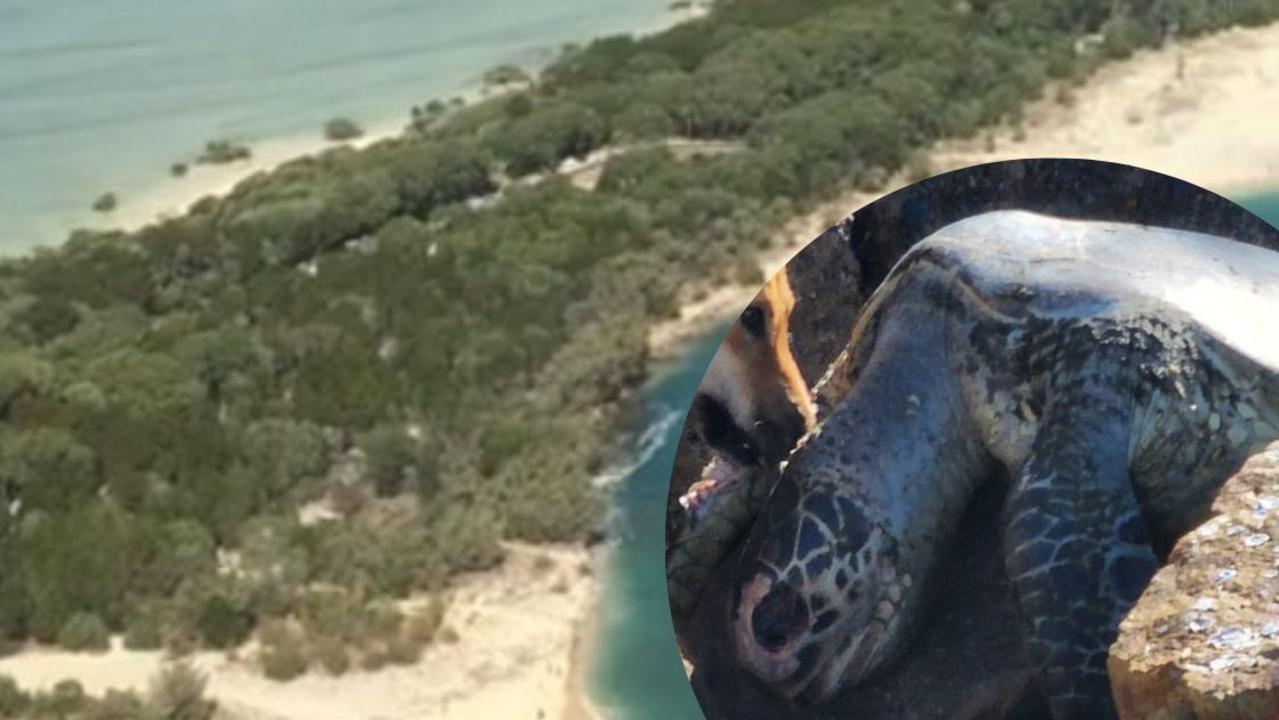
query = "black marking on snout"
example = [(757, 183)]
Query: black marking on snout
[(779, 617)]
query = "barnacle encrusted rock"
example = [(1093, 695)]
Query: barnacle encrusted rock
[(1203, 641)]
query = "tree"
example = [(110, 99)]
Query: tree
[(222, 622), (84, 631), (75, 561), (177, 693), (341, 129), (47, 318), (393, 455), (105, 202), (49, 468), (283, 453)]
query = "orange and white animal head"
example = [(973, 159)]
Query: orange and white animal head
[(753, 404)]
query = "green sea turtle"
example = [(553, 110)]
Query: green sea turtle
[(1112, 375)]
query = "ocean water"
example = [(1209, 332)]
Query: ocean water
[(104, 95), (638, 674)]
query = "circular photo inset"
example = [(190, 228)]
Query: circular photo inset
[(956, 459)]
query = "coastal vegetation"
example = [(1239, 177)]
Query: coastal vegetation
[(218, 152), (506, 75), (106, 202), (341, 129), (176, 693), (351, 378)]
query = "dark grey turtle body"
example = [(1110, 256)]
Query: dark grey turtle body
[(1114, 375)]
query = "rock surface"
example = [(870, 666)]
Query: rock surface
[(1203, 641)]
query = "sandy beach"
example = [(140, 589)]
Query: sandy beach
[(519, 654), (1202, 111), (173, 195)]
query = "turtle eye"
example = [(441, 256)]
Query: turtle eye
[(753, 320)]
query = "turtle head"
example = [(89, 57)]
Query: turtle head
[(819, 591), (753, 404)]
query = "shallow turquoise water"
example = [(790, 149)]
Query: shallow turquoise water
[(100, 95), (639, 674)]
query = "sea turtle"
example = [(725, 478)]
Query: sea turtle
[(1112, 375)]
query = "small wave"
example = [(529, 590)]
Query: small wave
[(648, 444)]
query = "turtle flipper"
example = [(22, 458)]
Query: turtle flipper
[(1078, 552)]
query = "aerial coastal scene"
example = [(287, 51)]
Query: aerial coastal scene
[(359, 398)]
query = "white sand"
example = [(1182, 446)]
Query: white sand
[(1213, 123), (518, 629), (174, 195)]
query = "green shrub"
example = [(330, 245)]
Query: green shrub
[(332, 612), (283, 660), (388, 453), (332, 655), (404, 650), (106, 202), (217, 152), (222, 622), (84, 631), (13, 700), (422, 626), (383, 620), (116, 705), (144, 631), (65, 698), (340, 129), (180, 642), (177, 693), (374, 658), (505, 75)]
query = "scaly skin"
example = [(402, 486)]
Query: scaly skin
[(707, 535)]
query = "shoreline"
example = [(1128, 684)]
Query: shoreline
[(578, 704), (173, 196)]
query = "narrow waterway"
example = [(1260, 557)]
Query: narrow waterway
[(638, 675)]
